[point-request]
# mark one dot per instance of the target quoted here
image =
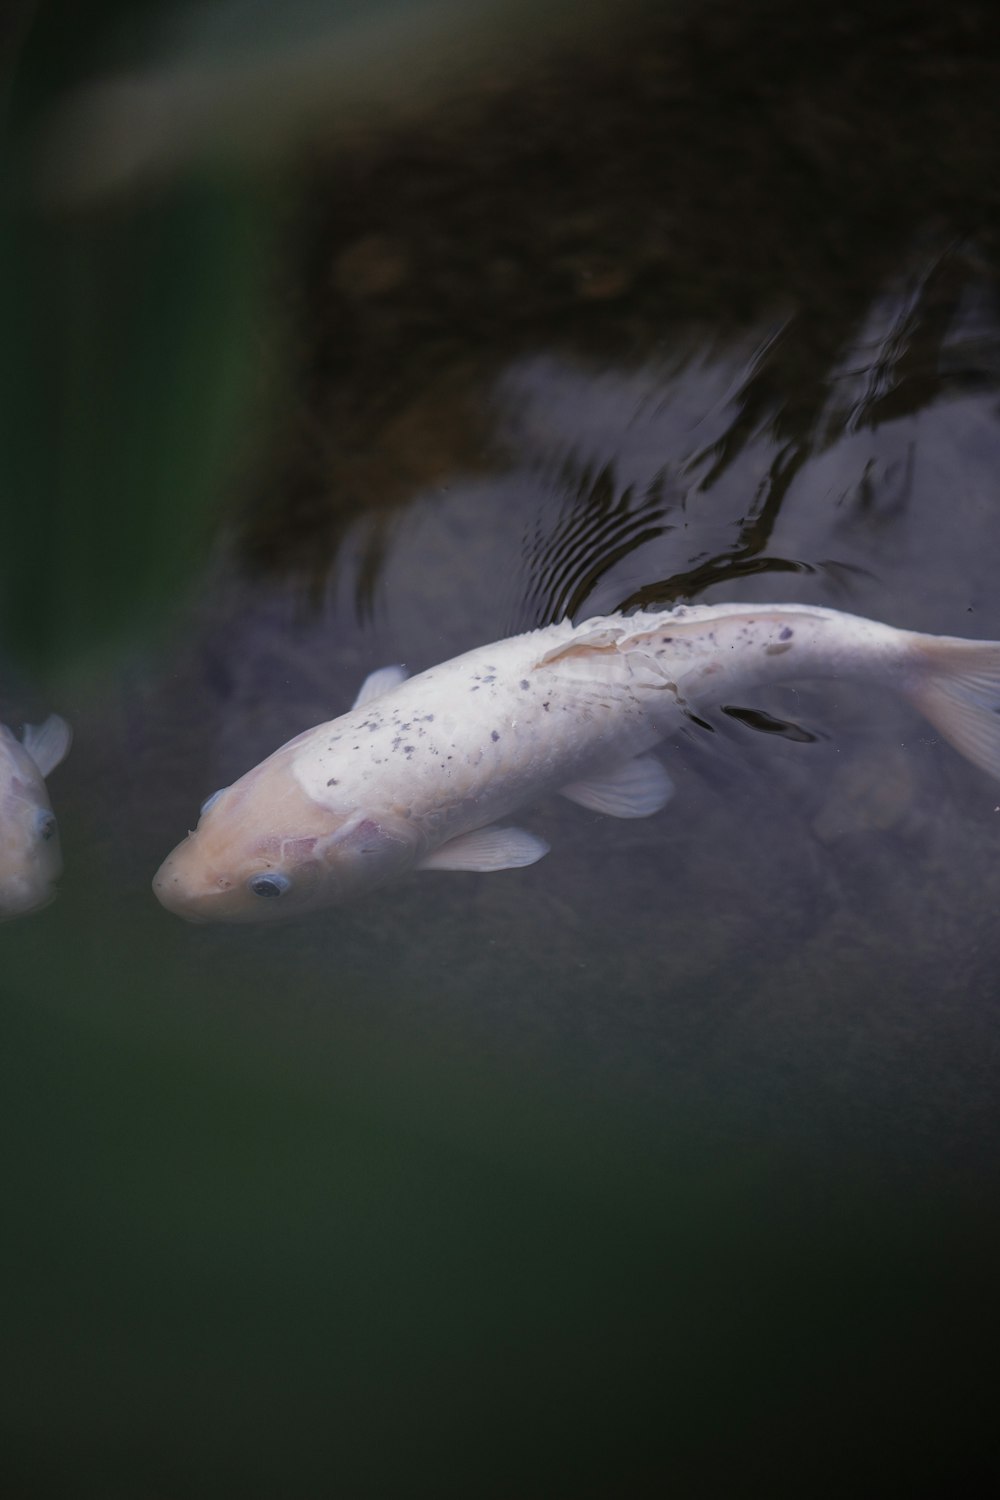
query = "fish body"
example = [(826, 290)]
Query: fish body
[(30, 857), (420, 771)]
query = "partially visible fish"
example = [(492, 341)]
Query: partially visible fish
[(419, 772), (30, 860)]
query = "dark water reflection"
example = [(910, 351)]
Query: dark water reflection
[(711, 317), (537, 378), (808, 930)]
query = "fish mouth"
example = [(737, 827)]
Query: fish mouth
[(169, 889), (178, 905), (185, 913), (207, 902), (10, 910)]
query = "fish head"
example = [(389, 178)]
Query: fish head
[(30, 857), (265, 849)]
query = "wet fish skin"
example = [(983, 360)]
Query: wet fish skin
[(418, 774), (30, 856)]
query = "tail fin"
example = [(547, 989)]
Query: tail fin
[(957, 687)]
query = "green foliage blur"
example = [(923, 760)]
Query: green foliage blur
[(126, 367)]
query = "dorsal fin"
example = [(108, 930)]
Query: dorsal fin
[(383, 680)]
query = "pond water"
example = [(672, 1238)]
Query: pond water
[(688, 1134), (804, 930)]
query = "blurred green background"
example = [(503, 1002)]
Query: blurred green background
[(246, 1257)]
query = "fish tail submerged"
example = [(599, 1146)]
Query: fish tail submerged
[(956, 685)]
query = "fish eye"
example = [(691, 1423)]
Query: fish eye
[(210, 801), (271, 884), (45, 825)]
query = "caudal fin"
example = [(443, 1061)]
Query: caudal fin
[(957, 687)]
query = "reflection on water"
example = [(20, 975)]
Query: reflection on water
[(697, 318), (788, 859)]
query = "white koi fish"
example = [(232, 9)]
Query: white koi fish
[(30, 861), (421, 771)]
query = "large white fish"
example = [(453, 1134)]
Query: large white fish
[(419, 773), (30, 860)]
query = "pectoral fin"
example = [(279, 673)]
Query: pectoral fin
[(379, 682), (487, 849), (634, 790), (47, 743)]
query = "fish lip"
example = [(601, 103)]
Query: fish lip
[(11, 913), (176, 909), (172, 900), (196, 910)]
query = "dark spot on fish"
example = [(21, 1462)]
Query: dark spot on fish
[(786, 634), (333, 781), (700, 722), (408, 750), (755, 718), (546, 707), (494, 736), (474, 689), (397, 742), (666, 639), (776, 650), (524, 684)]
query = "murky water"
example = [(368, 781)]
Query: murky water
[(842, 877), (699, 949), (713, 317)]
